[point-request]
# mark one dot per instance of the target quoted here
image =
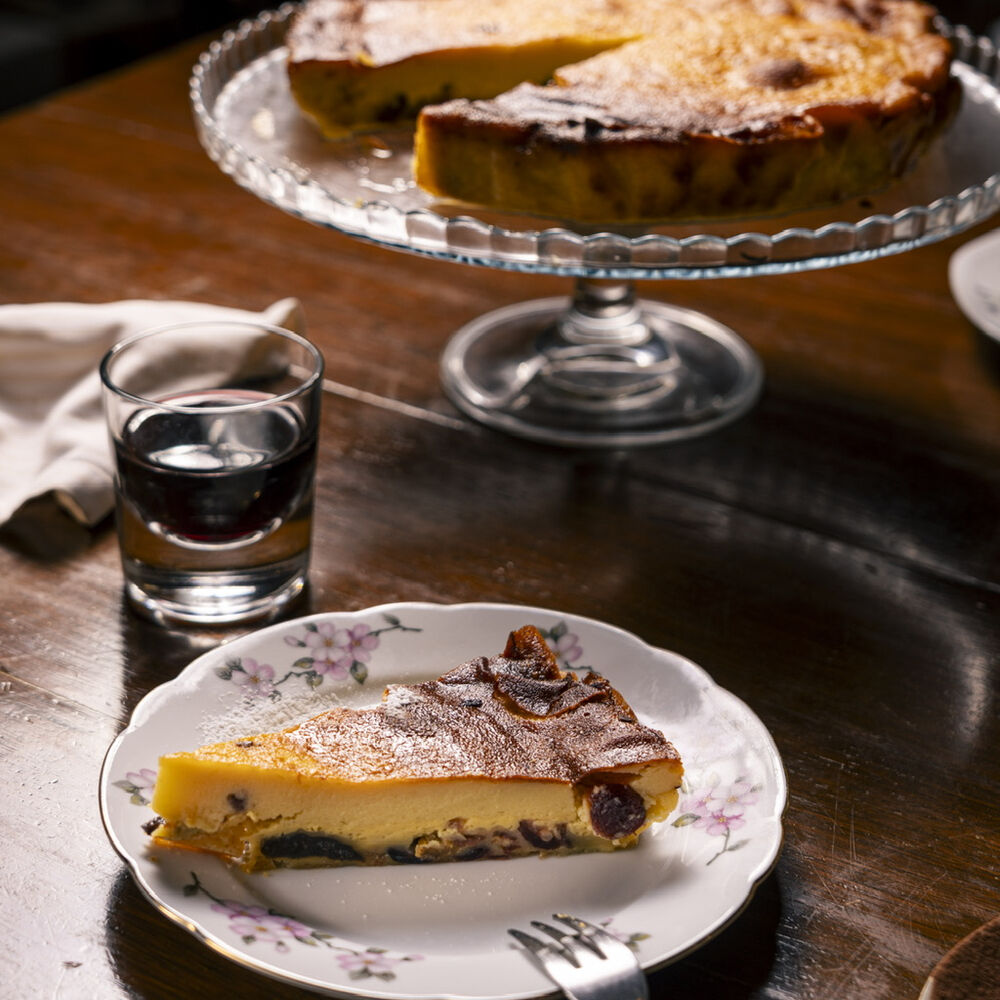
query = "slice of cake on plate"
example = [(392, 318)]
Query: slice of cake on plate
[(502, 757)]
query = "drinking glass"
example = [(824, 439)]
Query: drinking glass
[(214, 428)]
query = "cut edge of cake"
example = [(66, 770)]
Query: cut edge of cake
[(530, 127), (784, 128)]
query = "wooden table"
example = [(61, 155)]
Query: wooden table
[(833, 558)]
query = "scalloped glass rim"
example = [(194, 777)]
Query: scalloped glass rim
[(511, 244)]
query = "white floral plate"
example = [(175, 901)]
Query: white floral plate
[(439, 931), (974, 275)]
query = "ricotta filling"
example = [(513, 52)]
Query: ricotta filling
[(300, 825)]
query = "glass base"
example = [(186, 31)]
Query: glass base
[(214, 598), (605, 370)]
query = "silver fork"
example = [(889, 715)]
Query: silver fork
[(587, 963)]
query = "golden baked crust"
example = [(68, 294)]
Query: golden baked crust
[(501, 757), (684, 108), (364, 63)]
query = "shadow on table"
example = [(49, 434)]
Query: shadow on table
[(734, 964), (43, 532), (988, 351)]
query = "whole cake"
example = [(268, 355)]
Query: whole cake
[(502, 757), (633, 110)]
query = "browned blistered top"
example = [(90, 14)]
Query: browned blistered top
[(744, 70), (729, 74), (379, 32), (516, 715)]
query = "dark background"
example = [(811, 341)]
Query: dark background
[(46, 45)]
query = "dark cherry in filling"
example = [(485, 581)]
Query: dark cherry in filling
[(237, 802), (543, 838), (472, 853), (616, 810), (402, 856), (308, 845)]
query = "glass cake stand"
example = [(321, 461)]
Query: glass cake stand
[(600, 367)]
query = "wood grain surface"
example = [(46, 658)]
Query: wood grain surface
[(833, 558)]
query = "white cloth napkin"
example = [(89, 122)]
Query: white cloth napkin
[(53, 440)]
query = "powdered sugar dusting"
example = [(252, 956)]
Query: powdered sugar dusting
[(250, 715)]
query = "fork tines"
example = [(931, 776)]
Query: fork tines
[(586, 962)]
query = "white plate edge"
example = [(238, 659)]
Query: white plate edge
[(958, 264)]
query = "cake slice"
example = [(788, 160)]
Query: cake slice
[(357, 66), (502, 757)]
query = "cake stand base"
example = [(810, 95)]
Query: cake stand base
[(602, 370)]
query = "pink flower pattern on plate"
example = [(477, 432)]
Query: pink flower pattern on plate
[(139, 785), (336, 652), (328, 649), (255, 924), (719, 810), (565, 645), (373, 962), (257, 679)]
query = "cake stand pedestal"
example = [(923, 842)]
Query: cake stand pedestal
[(601, 368)]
